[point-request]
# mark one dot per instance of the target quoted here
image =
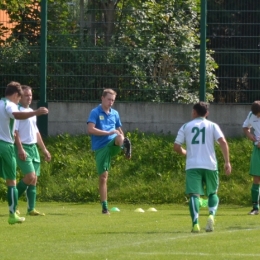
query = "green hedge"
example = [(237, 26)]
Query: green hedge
[(155, 174)]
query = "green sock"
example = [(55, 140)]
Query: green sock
[(194, 206), (31, 197), (255, 195), (12, 198), (21, 187), (213, 201), (104, 204)]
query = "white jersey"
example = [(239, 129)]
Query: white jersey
[(7, 120), (27, 128), (200, 135), (253, 121)]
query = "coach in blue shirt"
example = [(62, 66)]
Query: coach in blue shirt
[(107, 139)]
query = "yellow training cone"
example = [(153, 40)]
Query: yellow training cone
[(139, 210), (152, 210)]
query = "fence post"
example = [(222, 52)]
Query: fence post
[(203, 24), (42, 121)]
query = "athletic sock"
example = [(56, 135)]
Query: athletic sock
[(213, 201), (21, 187), (31, 197), (194, 205), (255, 196), (104, 204), (12, 198)]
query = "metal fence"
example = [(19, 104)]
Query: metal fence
[(233, 33), (83, 59)]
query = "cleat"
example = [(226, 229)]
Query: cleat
[(253, 212), (35, 213), (127, 148), (14, 218), (195, 228), (105, 212), (210, 224), (18, 212)]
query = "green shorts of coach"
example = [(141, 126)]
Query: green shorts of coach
[(103, 156), (7, 161), (32, 162), (255, 162), (199, 179)]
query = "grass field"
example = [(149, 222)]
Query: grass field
[(80, 231)]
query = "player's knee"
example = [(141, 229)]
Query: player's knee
[(119, 140)]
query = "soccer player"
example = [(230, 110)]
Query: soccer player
[(200, 135), (107, 140), (8, 113), (253, 121), (27, 136)]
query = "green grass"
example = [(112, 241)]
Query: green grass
[(80, 231)]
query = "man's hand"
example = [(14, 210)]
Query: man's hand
[(22, 154), (41, 111), (47, 155)]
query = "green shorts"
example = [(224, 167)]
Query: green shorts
[(196, 179), (104, 154), (7, 161), (32, 162), (255, 162)]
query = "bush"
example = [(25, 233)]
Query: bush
[(155, 174)]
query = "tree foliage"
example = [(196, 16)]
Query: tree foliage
[(147, 50)]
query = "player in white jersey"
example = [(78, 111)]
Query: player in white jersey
[(27, 155), (253, 121), (200, 136), (8, 113)]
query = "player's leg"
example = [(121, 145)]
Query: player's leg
[(27, 170), (212, 184), (103, 160), (255, 172), (255, 195), (103, 191), (31, 192), (125, 143), (194, 189), (8, 163)]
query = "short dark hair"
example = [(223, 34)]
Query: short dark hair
[(255, 108), (26, 87), (12, 88), (201, 108), (108, 91)]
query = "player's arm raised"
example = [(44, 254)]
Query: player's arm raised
[(24, 115)]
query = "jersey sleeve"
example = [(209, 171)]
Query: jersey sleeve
[(180, 139), (118, 121), (17, 122), (217, 132), (247, 121), (11, 108), (92, 117)]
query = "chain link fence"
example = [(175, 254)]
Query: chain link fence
[(147, 53)]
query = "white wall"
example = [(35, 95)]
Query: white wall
[(146, 117)]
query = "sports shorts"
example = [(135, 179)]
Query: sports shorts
[(103, 156), (32, 161), (255, 162), (7, 161), (199, 180)]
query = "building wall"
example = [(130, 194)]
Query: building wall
[(4, 20), (146, 117)]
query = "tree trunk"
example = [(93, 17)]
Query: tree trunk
[(109, 19)]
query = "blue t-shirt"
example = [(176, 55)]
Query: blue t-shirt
[(105, 122)]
